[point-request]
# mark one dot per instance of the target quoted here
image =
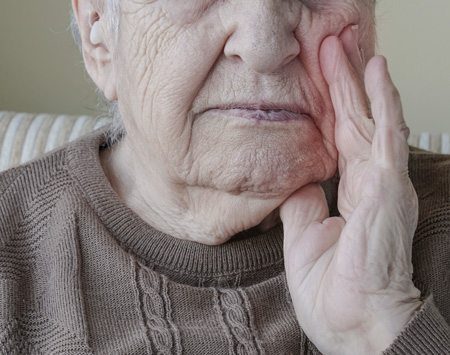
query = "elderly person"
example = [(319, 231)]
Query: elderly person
[(255, 194)]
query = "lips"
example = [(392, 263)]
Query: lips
[(263, 115), (262, 112)]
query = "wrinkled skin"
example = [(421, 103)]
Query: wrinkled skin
[(211, 176), (205, 177), (353, 272)]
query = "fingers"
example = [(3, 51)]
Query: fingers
[(337, 56), (341, 75), (390, 145), (356, 135), (349, 39)]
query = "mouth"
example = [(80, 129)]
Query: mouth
[(262, 112)]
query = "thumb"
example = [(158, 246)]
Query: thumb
[(305, 207), (308, 232)]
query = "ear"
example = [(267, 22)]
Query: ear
[(96, 43)]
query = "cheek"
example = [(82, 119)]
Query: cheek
[(330, 19), (163, 67), (185, 12), (140, 43)]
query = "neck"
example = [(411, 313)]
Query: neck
[(194, 213)]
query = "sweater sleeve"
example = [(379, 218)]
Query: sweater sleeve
[(427, 333)]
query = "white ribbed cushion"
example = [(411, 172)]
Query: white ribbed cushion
[(434, 142), (25, 136)]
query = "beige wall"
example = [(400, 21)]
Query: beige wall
[(41, 70), (414, 35)]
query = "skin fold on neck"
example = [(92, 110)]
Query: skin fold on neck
[(197, 214)]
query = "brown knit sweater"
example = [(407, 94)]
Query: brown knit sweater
[(81, 273)]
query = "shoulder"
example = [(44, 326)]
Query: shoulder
[(430, 175), (38, 236), (37, 168), (28, 190), (45, 190)]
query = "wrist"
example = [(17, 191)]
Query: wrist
[(379, 332), (388, 324)]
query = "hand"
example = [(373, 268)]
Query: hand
[(350, 277)]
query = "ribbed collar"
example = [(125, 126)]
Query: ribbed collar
[(241, 257)]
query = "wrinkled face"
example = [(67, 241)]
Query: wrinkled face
[(229, 94)]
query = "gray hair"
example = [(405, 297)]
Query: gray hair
[(109, 108)]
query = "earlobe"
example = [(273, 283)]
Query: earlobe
[(109, 88)]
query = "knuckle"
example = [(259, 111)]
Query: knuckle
[(396, 96), (394, 93), (390, 91)]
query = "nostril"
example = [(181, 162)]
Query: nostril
[(265, 49), (290, 59), (295, 52), (234, 58)]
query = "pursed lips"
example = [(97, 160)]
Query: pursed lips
[(262, 111)]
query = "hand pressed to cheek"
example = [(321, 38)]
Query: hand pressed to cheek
[(353, 130), (390, 147), (341, 65), (356, 275)]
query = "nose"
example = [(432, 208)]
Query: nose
[(264, 35)]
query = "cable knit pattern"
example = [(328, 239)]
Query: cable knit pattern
[(249, 310), (82, 274), (236, 317), (175, 332), (153, 310)]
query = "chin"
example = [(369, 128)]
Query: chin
[(265, 161), (269, 177)]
